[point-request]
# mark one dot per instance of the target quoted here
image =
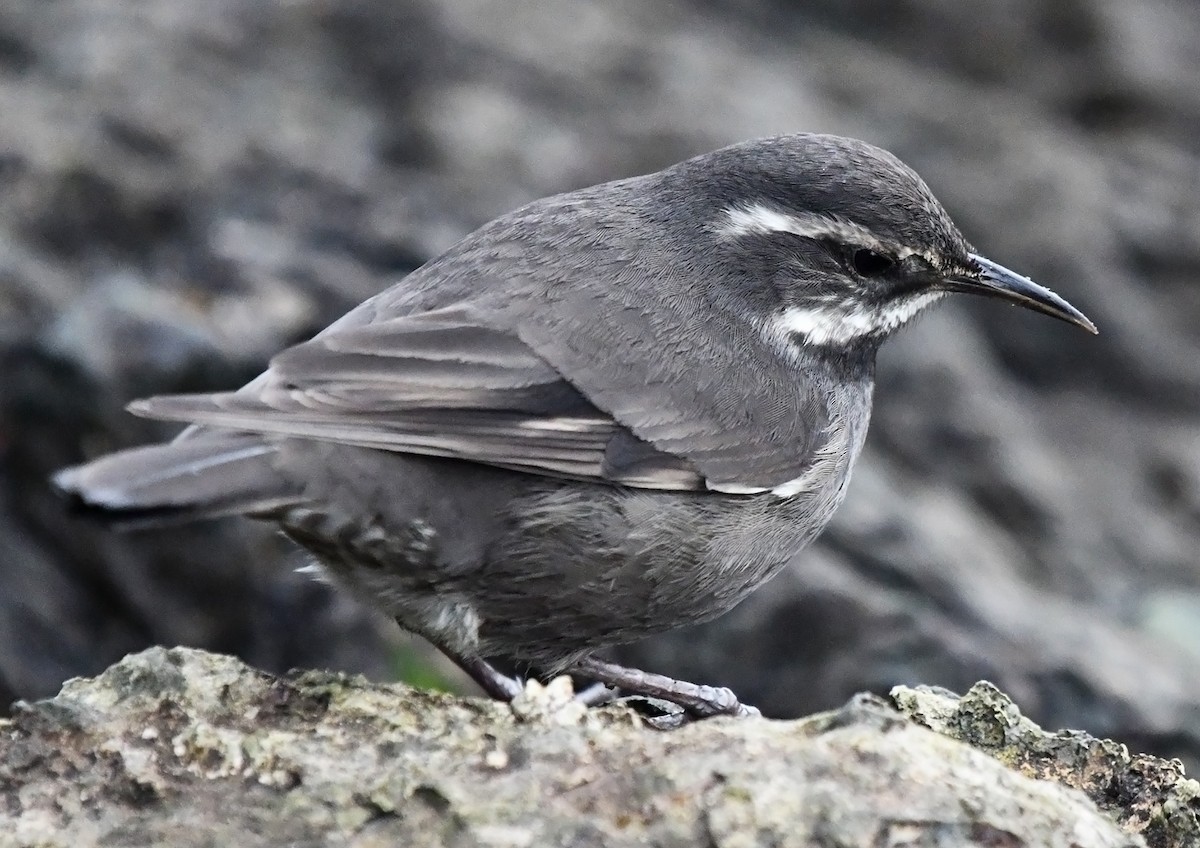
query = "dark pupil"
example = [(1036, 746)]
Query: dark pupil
[(868, 263)]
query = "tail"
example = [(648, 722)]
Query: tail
[(203, 475)]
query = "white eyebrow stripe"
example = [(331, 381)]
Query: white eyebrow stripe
[(759, 219)]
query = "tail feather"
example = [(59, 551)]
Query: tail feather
[(205, 475)]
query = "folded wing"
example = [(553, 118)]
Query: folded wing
[(438, 383)]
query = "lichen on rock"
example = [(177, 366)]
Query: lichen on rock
[(180, 747)]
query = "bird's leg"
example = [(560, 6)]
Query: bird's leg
[(699, 701), (496, 685)]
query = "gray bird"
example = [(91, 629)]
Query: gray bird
[(605, 415)]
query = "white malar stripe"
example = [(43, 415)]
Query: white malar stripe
[(898, 312), (826, 324), (839, 324)]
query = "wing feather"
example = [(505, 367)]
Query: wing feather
[(438, 384)]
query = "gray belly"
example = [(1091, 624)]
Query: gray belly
[(499, 564)]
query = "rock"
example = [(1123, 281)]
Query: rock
[(1145, 795), (183, 748)]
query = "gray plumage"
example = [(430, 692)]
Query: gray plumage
[(604, 415)]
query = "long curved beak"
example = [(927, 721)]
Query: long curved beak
[(994, 280)]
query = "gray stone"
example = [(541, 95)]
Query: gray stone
[(178, 747)]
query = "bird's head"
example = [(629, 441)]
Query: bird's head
[(840, 243)]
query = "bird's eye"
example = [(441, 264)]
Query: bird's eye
[(869, 263)]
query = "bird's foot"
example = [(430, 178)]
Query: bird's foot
[(504, 688), (664, 703), (675, 702)]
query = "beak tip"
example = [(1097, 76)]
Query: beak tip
[(994, 279), (1080, 320)]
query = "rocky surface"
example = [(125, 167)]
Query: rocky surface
[(185, 188), (182, 748)]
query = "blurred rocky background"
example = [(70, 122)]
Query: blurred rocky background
[(185, 188)]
